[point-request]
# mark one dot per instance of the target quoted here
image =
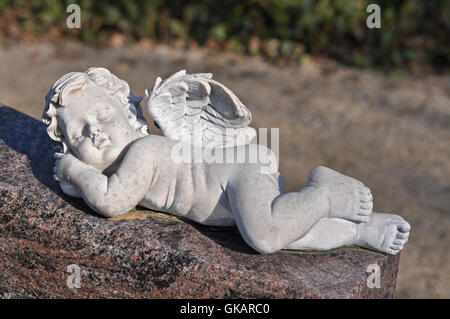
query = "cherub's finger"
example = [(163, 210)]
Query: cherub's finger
[(55, 177), (58, 155), (55, 169)]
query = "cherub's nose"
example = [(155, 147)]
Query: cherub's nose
[(94, 130)]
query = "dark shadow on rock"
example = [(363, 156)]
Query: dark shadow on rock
[(227, 237), (28, 136)]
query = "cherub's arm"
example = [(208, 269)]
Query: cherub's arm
[(109, 196)]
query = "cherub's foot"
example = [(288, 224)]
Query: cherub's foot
[(349, 198), (387, 233)]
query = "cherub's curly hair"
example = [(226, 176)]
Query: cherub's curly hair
[(77, 80)]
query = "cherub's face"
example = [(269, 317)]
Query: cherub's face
[(95, 126)]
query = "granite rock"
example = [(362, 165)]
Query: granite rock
[(145, 254)]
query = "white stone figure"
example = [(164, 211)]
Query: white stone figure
[(106, 156)]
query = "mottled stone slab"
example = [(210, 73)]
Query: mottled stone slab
[(145, 254)]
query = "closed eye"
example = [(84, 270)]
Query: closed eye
[(104, 116), (79, 137), (76, 138)]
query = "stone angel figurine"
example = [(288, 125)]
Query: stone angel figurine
[(105, 155)]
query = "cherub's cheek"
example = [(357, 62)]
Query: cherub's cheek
[(115, 123), (87, 152), (109, 154)]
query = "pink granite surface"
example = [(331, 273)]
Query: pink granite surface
[(42, 231)]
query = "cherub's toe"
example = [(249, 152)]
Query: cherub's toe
[(404, 227), (366, 205), (401, 235), (363, 218), (365, 209), (393, 233), (400, 242), (364, 215), (366, 201), (400, 239), (364, 190), (396, 247), (366, 196), (393, 251)]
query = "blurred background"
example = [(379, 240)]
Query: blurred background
[(372, 103)]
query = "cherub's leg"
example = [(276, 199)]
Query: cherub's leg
[(383, 232), (268, 219), (328, 233)]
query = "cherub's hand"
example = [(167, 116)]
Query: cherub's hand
[(62, 165), (61, 172)]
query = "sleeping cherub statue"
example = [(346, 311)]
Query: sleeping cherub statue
[(105, 155)]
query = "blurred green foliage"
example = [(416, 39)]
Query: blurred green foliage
[(412, 31)]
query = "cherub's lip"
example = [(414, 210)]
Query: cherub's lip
[(102, 142)]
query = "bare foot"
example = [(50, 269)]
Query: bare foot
[(349, 198), (387, 233)]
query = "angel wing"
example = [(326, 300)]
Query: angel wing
[(198, 109)]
